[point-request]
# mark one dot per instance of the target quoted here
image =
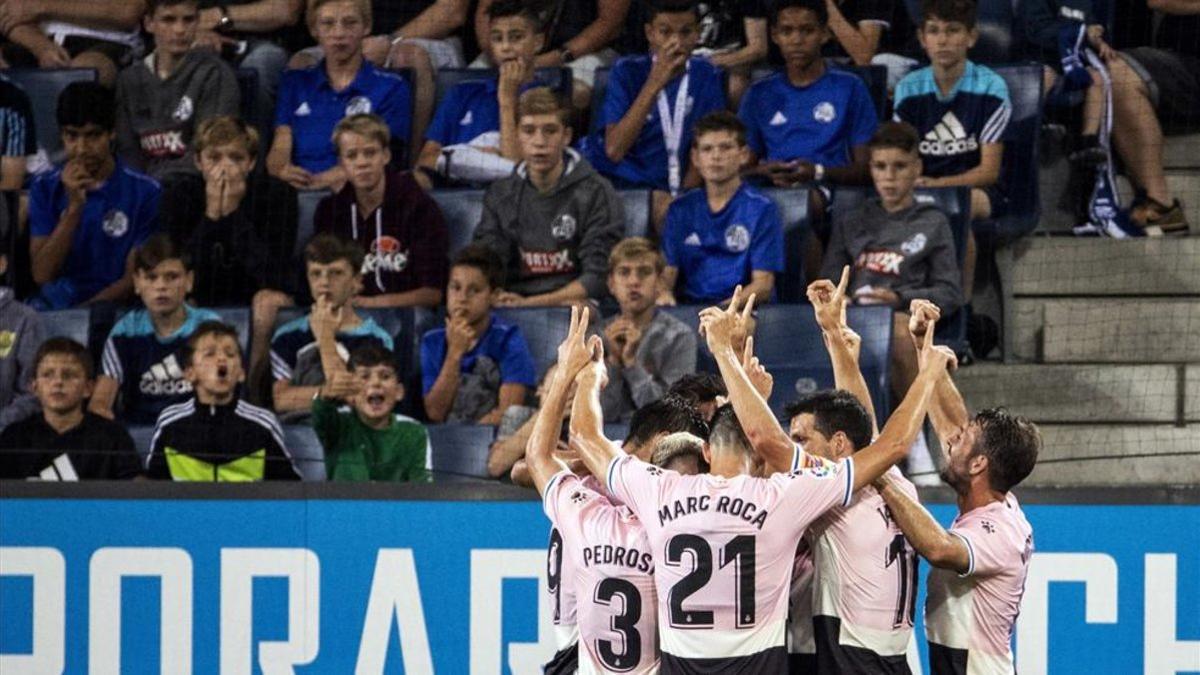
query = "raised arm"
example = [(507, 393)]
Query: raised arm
[(947, 410), (587, 419), (620, 137), (926, 535), (768, 438), (539, 451), (829, 305)]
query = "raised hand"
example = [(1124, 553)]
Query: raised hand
[(669, 63), (722, 327), (512, 74), (324, 319), (829, 302), (933, 357), (574, 353), (762, 380), (341, 384), (460, 337), (594, 373), (921, 315)]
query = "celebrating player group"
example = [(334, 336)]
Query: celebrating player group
[(765, 550)]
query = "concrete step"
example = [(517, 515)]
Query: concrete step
[(1075, 393), (1049, 266), (1182, 152), (1064, 447), (1117, 330)]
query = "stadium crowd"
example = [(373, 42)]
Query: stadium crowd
[(303, 161)]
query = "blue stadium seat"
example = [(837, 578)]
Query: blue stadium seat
[(68, 323), (1020, 170), (306, 451), (43, 87), (142, 436), (996, 22), (875, 78), (239, 318), (461, 209), (460, 451), (599, 87), (637, 212), (793, 212), (616, 431), (559, 79), (544, 329)]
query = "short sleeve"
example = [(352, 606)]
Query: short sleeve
[(440, 127), (754, 135), (619, 95), (286, 99), (19, 137), (998, 112), (901, 106), (866, 118), (110, 362), (635, 483), (433, 353), (281, 365), (766, 249), (43, 217), (670, 237), (986, 546), (554, 488), (812, 490), (147, 214), (516, 364), (396, 109)]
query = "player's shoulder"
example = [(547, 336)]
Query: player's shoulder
[(385, 78), (702, 67), (750, 195), (632, 63), (46, 182), (837, 78), (689, 201)]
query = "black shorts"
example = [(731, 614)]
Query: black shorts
[(565, 662), (834, 658), (1174, 83), (998, 200), (802, 664)]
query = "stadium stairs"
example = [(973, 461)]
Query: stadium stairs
[(1102, 344)]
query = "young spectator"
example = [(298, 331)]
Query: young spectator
[(332, 267), (651, 104), (390, 216), (553, 221), (17, 138), (858, 28), (515, 428), (898, 249), (238, 224), (63, 441), (313, 100), (733, 36), (87, 216), (579, 36), (251, 34), (142, 359), (476, 367), (1157, 87), (703, 391), (647, 350), (162, 98), (473, 135), (21, 332), (809, 123), (367, 440), (215, 436), (959, 108), (725, 233), (99, 35)]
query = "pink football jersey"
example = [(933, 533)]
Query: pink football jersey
[(969, 618), (613, 578), (866, 574), (723, 553), (560, 567)]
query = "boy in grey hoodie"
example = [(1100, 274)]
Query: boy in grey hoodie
[(554, 220), (21, 333), (898, 249)]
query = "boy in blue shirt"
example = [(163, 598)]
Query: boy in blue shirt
[(476, 367), (651, 105), (473, 135), (313, 100), (332, 266), (87, 216), (725, 233), (959, 108), (142, 359)]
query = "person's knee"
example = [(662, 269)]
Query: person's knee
[(301, 59), (106, 70), (981, 205), (406, 54), (267, 60)]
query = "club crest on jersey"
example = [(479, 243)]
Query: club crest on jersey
[(915, 244), (578, 497), (115, 223), (824, 112), (563, 227), (653, 470), (737, 238), (358, 105), (183, 111), (988, 526)]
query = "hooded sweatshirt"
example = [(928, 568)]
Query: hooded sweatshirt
[(21, 333), (910, 252), (157, 118), (405, 239), (549, 240)]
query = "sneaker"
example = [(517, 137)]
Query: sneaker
[(1159, 219)]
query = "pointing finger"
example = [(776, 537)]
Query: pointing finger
[(845, 281)]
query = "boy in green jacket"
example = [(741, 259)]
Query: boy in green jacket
[(366, 440)]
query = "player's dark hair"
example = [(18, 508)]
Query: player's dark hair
[(483, 259), (835, 410), (656, 7), (214, 328), (727, 431), (898, 135), (698, 388), (326, 248), (1010, 442), (373, 354), (522, 8), (721, 120), (958, 11), (158, 249), (664, 416), (61, 346), (817, 7), (153, 5), (84, 103)]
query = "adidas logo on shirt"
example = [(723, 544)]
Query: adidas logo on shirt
[(693, 239), (164, 378), (948, 138), (303, 110), (60, 469), (467, 119), (778, 119)]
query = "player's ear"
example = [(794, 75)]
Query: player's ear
[(978, 464), (707, 451)]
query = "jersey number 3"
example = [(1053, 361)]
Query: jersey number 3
[(624, 624), (739, 551)]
